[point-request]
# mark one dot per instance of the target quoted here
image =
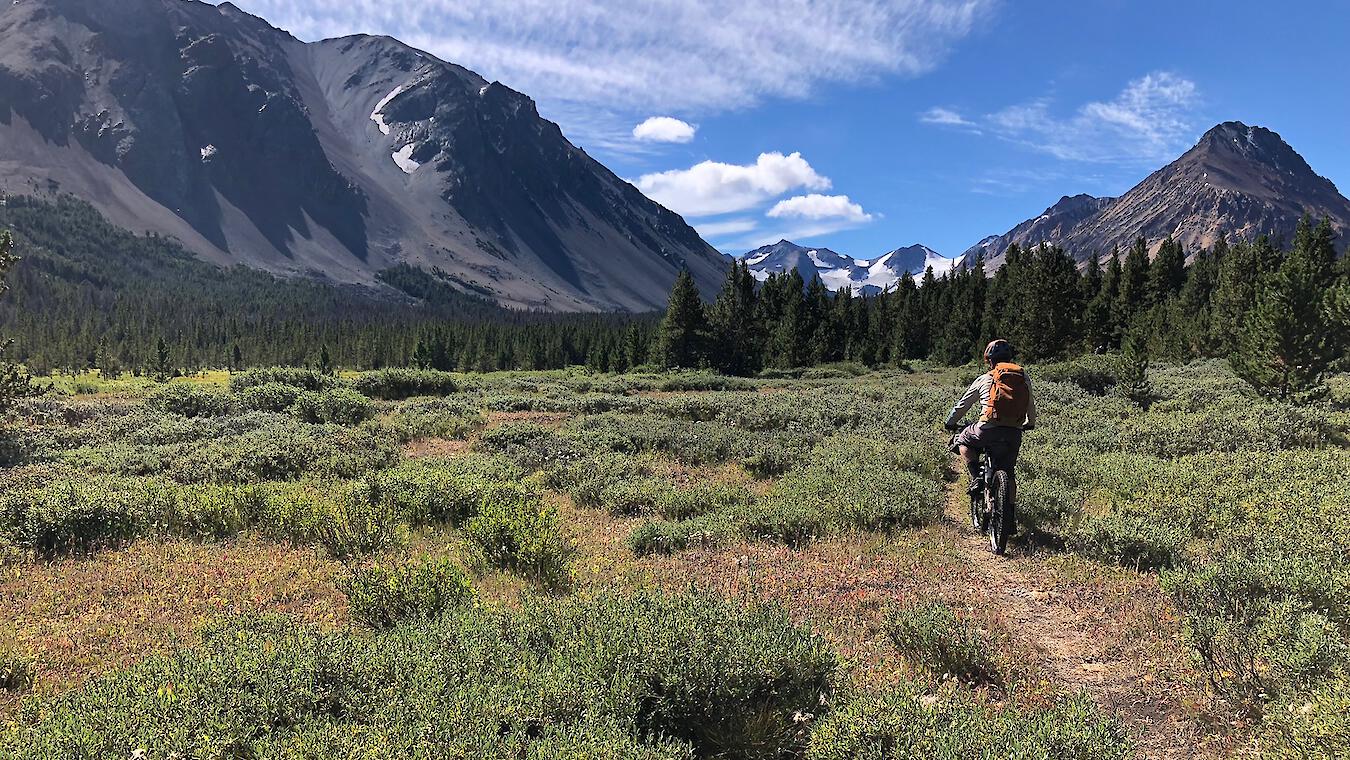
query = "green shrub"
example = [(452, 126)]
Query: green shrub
[(297, 377), (425, 491), (339, 406), (1310, 726), (935, 637), (16, 670), (669, 536), (515, 530), (642, 676), (76, 515), (401, 383), (382, 597), (705, 381), (451, 419), (1131, 539), (190, 400), (269, 397), (907, 724), (531, 445), (1265, 626), (1095, 374)]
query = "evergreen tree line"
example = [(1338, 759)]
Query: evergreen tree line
[(86, 294), (1281, 315)]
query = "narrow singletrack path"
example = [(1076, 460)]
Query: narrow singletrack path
[(1075, 643)]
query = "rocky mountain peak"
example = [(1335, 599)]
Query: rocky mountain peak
[(1238, 181)]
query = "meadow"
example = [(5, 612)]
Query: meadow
[(412, 563)]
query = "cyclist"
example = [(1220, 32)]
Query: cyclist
[(1007, 406)]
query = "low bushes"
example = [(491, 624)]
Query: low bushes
[(909, 724), (640, 676), (932, 636), (1266, 625), (515, 530), (298, 377), (269, 397), (339, 406), (16, 670), (382, 597), (849, 482), (427, 491), (189, 400), (398, 383), (532, 446)]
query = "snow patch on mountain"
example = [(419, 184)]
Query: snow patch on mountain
[(838, 271), (377, 116), (405, 160)]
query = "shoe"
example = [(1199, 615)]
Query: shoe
[(976, 488)]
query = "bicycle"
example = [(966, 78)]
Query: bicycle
[(993, 508)]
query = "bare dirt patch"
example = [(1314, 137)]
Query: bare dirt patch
[(435, 447)]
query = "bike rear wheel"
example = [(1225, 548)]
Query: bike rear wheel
[(1002, 521)]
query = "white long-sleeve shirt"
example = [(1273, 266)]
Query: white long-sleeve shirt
[(979, 391)]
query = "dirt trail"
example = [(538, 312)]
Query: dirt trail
[(1075, 644)]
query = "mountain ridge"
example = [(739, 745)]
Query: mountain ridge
[(333, 159), (839, 271), (1237, 181)]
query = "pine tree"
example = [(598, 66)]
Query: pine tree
[(683, 336), (1099, 325), (162, 366), (1135, 295), (732, 320), (1132, 378), (1167, 273), (325, 361), (14, 382), (1287, 347)]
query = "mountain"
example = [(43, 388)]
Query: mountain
[(1237, 181), (1056, 223), (838, 271), (335, 159)]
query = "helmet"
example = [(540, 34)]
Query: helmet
[(998, 351)]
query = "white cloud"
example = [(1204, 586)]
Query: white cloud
[(1152, 119), (817, 207), (664, 129), (728, 227), (661, 55), (945, 117), (711, 188)]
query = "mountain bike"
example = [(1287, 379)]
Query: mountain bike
[(993, 508)]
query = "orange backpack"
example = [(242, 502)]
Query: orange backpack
[(1009, 396)]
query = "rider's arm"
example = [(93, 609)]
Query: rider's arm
[(967, 401)]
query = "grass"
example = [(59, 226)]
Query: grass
[(285, 493)]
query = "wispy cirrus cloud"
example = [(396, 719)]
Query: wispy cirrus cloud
[(1149, 120), (945, 117), (674, 56)]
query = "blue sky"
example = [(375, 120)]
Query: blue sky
[(865, 125)]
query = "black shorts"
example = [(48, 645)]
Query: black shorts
[(1000, 441)]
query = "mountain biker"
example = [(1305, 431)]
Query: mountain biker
[(1007, 406)]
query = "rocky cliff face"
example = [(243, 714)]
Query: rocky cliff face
[(1056, 223), (1237, 181), (334, 159)]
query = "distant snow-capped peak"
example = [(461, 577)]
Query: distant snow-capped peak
[(838, 271)]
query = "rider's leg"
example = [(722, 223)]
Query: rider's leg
[(972, 457)]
